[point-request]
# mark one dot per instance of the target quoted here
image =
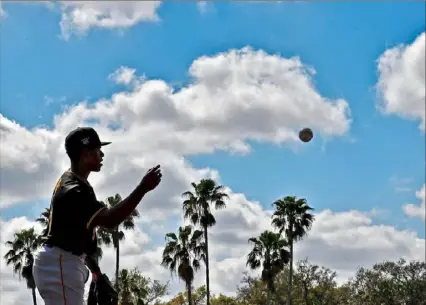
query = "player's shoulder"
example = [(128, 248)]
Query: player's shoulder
[(70, 185), (70, 181)]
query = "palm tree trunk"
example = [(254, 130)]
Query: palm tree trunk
[(34, 296), (290, 278), (117, 260), (207, 267), (189, 291)]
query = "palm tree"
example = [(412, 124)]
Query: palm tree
[(292, 216), (44, 221), (133, 287), (102, 238), (21, 256), (196, 207), (117, 234), (182, 255), (269, 250)]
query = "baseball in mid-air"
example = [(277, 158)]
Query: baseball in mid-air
[(306, 134)]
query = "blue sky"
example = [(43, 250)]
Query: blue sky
[(342, 41)]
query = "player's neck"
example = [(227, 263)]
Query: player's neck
[(80, 172)]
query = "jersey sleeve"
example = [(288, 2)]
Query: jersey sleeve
[(85, 207)]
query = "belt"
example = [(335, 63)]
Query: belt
[(76, 253)]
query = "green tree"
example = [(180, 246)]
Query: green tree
[(196, 207), (390, 283), (223, 300), (387, 283), (293, 218), (317, 284), (21, 256), (117, 234), (178, 300), (182, 255), (269, 251), (44, 221), (251, 291), (135, 289), (198, 297)]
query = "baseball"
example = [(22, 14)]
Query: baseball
[(306, 134)]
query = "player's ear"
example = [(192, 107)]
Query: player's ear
[(84, 154)]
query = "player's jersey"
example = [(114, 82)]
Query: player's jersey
[(72, 210)]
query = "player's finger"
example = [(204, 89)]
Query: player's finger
[(154, 168), (156, 171)]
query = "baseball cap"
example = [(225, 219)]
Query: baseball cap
[(83, 137)]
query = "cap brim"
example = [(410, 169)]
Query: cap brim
[(105, 143)]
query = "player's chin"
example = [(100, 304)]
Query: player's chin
[(98, 168)]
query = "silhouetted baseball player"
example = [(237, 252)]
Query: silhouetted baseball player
[(59, 268)]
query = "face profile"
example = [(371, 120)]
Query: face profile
[(92, 159)]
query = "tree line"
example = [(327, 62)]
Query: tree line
[(272, 253)]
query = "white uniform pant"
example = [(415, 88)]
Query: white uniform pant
[(60, 276)]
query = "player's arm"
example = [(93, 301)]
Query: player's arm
[(110, 218), (93, 266)]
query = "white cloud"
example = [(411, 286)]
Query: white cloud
[(78, 17), (234, 97), (413, 210), (3, 13), (402, 80), (123, 76), (344, 241), (203, 6)]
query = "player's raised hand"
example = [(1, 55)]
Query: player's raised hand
[(152, 178)]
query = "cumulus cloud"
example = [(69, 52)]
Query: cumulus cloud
[(78, 17), (346, 240), (123, 76), (401, 82), (234, 97), (414, 210), (2, 12)]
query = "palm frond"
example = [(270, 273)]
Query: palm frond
[(20, 255), (269, 251), (182, 252), (292, 217), (196, 206)]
